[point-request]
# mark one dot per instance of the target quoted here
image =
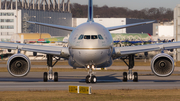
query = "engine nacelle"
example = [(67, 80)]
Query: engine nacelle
[(18, 65), (162, 65)]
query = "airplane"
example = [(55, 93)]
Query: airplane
[(90, 46)]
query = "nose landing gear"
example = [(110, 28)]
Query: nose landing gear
[(91, 78)]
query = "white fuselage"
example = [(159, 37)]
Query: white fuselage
[(90, 44)]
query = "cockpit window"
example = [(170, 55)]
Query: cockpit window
[(86, 36), (100, 37), (90, 37), (94, 37), (81, 37)]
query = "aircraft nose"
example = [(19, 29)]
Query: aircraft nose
[(90, 43)]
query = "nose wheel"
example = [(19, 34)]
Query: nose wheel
[(88, 79), (91, 78)]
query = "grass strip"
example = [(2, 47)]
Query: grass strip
[(97, 95)]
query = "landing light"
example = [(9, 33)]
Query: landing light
[(88, 66), (92, 66)]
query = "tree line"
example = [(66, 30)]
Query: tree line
[(159, 14)]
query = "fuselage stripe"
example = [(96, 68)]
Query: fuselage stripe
[(90, 48)]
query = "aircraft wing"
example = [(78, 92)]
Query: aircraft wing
[(128, 25), (53, 50), (53, 26), (119, 51)]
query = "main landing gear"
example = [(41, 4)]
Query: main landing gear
[(130, 75), (90, 78), (49, 75)]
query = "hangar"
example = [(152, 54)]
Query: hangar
[(14, 14), (109, 22)]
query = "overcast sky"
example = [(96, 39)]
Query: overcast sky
[(133, 4)]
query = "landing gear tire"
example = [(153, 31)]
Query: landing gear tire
[(135, 77), (88, 79), (56, 77), (93, 79), (51, 75), (124, 76), (45, 77)]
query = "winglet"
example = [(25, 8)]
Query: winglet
[(90, 11)]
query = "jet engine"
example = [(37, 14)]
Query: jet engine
[(18, 65), (162, 65)]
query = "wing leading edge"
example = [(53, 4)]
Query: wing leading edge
[(119, 51), (53, 50), (53, 26), (128, 25)]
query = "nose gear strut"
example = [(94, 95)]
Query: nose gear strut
[(90, 78)]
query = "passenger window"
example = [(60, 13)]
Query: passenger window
[(100, 37), (80, 37), (87, 37), (93, 36)]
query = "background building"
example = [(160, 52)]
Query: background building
[(33, 36), (13, 18), (163, 30), (110, 22), (177, 29)]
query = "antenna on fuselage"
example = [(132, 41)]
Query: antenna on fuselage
[(90, 11)]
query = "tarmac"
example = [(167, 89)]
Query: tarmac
[(105, 80)]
